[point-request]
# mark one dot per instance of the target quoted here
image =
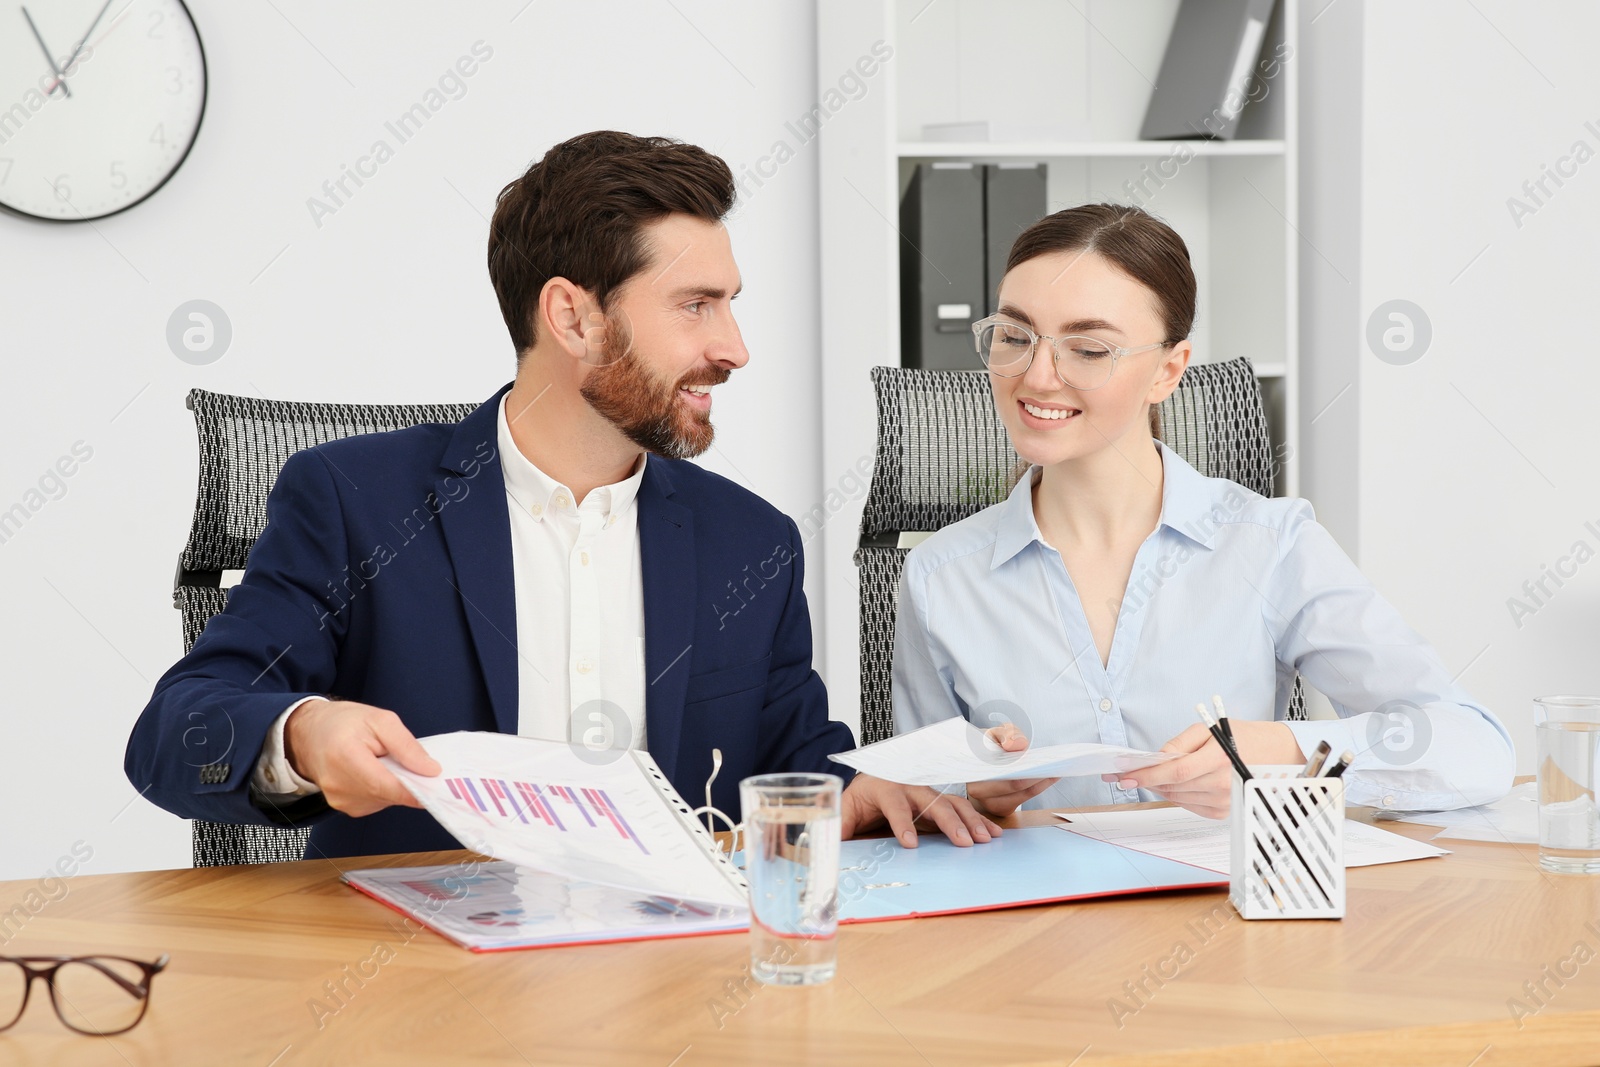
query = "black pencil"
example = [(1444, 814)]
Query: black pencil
[(1225, 742), (1222, 721)]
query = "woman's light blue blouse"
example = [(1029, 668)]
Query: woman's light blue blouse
[(1232, 593)]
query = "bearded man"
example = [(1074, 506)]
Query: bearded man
[(551, 566)]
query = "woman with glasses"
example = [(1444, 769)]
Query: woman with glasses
[(1116, 586)]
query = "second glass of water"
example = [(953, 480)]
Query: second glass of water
[(1569, 777), (791, 849)]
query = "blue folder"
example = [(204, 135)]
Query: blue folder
[(500, 906), (878, 879)]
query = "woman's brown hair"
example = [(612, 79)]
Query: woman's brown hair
[(1136, 243)]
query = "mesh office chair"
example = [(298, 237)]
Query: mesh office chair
[(943, 455), (244, 443)]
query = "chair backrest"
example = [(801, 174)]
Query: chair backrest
[(244, 443), (943, 455)]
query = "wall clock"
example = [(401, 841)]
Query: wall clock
[(100, 102)]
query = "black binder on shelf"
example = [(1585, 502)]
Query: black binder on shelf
[(957, 224), (1207, 69), (1013, 200), (941, 266)]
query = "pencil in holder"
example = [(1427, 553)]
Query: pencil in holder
[(1287, 847)]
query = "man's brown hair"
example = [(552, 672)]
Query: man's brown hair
[(579, 214)]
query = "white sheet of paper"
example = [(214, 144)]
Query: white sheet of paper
[(1194, 839), (954, 750), (1513, 818), (559, 808)]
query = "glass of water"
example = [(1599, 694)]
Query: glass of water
[(1569, 774), (791, 849)]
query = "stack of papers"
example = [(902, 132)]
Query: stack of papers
[(1514, 818), (1176, 834), (954, 751)]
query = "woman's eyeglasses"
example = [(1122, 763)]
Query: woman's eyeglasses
[(1007, 348), (96, 995)]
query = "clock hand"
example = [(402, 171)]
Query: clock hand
[(83, 40), (61, 79)]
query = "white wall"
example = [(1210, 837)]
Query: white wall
[(1475, 463), (1461, 475), (1331, 62), (387, 300)]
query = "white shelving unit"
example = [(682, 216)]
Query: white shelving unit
[(1081, 76)]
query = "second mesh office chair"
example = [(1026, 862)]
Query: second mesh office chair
[(943, 455), (244, 443)]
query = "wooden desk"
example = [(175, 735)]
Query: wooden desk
[(1421, 971)]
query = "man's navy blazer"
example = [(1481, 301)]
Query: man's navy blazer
[(384, 576)]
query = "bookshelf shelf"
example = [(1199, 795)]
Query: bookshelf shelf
[(982, 150)]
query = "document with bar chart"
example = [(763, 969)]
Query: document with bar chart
[(563, 809), (489, 906)]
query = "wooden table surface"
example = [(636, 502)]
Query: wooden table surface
[(1428, 967)]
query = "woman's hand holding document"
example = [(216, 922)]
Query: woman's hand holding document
[(954, 750), (1200, 775), (1002, 796)]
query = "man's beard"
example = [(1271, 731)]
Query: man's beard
[(649, 413)]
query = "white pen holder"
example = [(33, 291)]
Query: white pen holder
[(1287, 847)]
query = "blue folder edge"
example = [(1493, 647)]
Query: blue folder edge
[(879, 880)]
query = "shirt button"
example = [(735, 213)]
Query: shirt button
[(270, 776), (611, 520), (562, 500), (1105, 704), (1388, 801), (537, 509), (584, 666), (584, 556)]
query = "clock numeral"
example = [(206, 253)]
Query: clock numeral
[(174, 80), (159, 135), (118, 178), (5, 169), (156, 18), (62, 190)]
